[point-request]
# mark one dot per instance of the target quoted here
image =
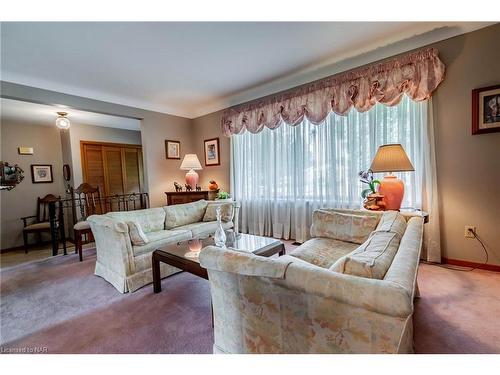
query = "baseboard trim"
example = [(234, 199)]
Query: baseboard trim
[(33, 247), (30, 247), (8, 250), (466, 263)]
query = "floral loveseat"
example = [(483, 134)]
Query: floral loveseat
[(349, 289), (126, 240)]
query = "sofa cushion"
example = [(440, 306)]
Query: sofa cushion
[(137, 235), (81, 225), (203, 229), (342, 227), (227, 212), (372, 259), (150, 219), (159, 239), (392, 221), (322, 252), (182, 214)]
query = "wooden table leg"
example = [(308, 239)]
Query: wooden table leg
[(53, 229), (282, 250), (79, 245), (156, 274), (212, 308)]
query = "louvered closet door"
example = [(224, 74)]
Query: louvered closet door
[(113, 170), (132, 162), (92, 166)]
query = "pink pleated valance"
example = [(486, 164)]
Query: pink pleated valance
[(416, 74)]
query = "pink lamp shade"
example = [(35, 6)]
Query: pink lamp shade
[(191, 163), (391, 158)]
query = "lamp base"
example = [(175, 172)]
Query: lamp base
[(192, 178), (392, 188)]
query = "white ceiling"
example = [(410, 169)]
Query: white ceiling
[(42, 114), (190, 69)]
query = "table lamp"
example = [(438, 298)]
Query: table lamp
[(191, 163), (391, 158)]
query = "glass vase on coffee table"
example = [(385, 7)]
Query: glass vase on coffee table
[(220, 234)]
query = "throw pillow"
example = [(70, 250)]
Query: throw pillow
[(372, 259), (137, 236), (183, 214), (342, 227), (226, 212)]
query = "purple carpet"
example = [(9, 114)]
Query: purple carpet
[(59, 304)]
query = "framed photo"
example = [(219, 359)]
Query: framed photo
[(486, 110), (212, 152), (41, 173), (173, 149)]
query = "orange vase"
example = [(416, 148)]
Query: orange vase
[(393, 190)]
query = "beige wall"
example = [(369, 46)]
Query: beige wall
[(208, 127), (67, 158), (21, 201), (162, 172), (468, 166)]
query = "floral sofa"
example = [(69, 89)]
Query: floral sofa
[(349, 289), (126, 240)]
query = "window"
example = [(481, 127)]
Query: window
[(280, 175)]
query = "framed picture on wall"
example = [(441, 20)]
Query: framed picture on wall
[(212, 156), (173, 149), (486, 110), (41, 173)]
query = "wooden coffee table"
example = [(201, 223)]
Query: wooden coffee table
[(184, 254)]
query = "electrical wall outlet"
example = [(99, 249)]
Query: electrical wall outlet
[(469, 231)]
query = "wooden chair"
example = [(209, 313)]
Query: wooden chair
[(40, 222), (88, 199)]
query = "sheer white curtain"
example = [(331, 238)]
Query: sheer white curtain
[(280, 176)]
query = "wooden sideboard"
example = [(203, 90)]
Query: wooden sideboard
[(180, 197)]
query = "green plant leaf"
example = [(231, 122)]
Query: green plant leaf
[(376, 182), (223, 195)]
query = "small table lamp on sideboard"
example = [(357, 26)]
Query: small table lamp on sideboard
[(191, 163), (391, 158)]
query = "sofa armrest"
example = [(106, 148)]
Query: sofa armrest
[(109, 223), (236, 212), (242, 263), (113, 245), (236, 217)]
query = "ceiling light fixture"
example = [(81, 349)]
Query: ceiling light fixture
[(62, 121)]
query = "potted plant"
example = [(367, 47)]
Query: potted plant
[(223, 196), (372, 199)]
